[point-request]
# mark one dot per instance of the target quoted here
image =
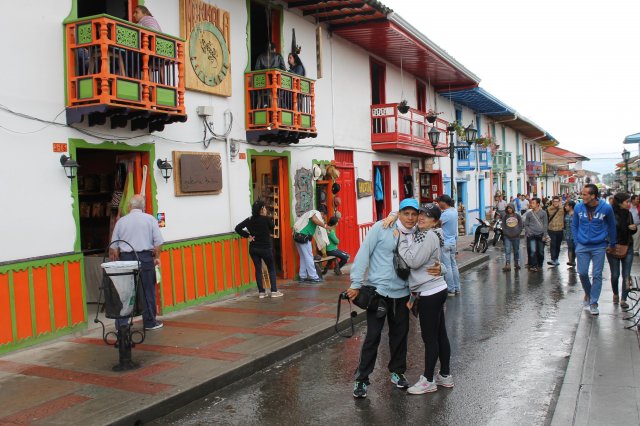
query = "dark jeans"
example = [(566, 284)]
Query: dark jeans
[(619, 266), (536, 251), (148, 282), (434, 333), (342, 255), (263, 254), (398, 320), (571, 251), (556, 241)]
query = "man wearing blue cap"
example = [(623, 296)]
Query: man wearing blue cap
[(375, 256)]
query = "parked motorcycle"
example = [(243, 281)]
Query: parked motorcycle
[(497, 231), (481, 236)]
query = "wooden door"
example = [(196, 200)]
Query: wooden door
[(347, 230), (286, 242)]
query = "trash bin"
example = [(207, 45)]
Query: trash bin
[(120, 285)]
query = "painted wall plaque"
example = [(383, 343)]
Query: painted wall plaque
[(304, 191), (197, 173), (207, 31), (364, 188)]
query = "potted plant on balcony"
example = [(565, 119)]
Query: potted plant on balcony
[(403, 107), (488, 142), (455, 126), (432, 115)]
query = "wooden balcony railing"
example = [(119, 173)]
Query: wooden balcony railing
[(122, 70), (394, 131), (520, 163), (280, 106)]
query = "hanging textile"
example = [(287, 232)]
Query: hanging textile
[(129, 191), (378, 190)]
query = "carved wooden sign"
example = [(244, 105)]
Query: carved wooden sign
[(206, 29), (364, 188), (303, 190), (197, 173)]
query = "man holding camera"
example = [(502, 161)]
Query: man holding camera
[(376, 258)]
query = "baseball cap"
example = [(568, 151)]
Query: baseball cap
[(431, 210), (409, 203), (445, 199)]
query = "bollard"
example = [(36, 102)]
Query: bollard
[(124, 345)]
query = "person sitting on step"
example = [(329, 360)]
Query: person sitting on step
[(332, 247)]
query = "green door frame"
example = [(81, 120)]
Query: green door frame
[(75, 144)]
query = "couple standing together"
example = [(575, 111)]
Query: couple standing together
[(420, 247)]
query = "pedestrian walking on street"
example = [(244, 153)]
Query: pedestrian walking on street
[(449, 222), (260, 227), (501, 205), (512, 229), (625, 230), (524, 205), (141, 230), (430, 294), (568, 234), (556, 233), (535, 230), (332, 247), (594, 228), (635, 213)]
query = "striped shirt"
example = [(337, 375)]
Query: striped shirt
[(150, 22)]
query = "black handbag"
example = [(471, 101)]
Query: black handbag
[(399, 265), (301, 238), (367, 298)]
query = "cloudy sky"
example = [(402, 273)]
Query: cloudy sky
[(571, 66)]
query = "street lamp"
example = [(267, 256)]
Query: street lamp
[(434, 137), (625, 156)]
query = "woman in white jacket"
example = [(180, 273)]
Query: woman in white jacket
[(420, 251)]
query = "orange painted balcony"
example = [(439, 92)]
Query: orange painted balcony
[(407, 134), (280, 107), (123, 72)]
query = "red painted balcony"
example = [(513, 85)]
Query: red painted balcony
[(123, 72), (280, 107), (393, 131)]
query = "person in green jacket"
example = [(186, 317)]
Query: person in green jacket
[(332, 247)]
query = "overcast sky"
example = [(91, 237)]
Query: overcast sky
[(570, 66)]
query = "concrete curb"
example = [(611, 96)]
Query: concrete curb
[(270, 355), (567, 403)]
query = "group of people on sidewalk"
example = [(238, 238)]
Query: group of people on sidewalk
[(593, 230)]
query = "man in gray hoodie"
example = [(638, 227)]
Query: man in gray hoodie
[(512, 229), (536, 222)]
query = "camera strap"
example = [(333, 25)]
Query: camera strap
[(351, 315)]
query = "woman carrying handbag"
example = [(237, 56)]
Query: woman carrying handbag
[(621, 258)]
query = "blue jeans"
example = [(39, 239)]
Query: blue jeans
[(536, 251), (148, 283), (307, 267), (452, 277), (343, 256), (616, 265), (595, 256), (511, 244)]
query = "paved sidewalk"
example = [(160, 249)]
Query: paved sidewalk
[(200, 350), (602, 382)]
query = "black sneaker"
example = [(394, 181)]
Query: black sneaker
[(360, 389), (399, 380)]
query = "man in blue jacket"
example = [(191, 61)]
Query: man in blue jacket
[(376, 256), (594, 228)]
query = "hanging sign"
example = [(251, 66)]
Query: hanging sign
[(207, 31), (364, 187)]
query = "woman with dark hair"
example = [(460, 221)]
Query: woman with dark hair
[(295, 64), (625, 228), (260, 227), (568, 234)]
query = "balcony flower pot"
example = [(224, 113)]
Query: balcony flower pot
[(432, 116), (403, 107), (458, 128)]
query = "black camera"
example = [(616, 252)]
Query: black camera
[(343, 296)]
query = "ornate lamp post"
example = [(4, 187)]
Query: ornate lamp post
[(625, 156), (470, 136)]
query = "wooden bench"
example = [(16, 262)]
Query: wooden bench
[(322, 263)]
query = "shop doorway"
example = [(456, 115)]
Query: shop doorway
[(270, 182), (106, 180), (405, 181), (381, 190)]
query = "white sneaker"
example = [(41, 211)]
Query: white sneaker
[(446, 382), (277, 293), (423, 386), (262, 295)]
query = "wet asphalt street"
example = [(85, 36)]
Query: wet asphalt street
[(511, 336)]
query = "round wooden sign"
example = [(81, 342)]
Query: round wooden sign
[(209, 53)]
